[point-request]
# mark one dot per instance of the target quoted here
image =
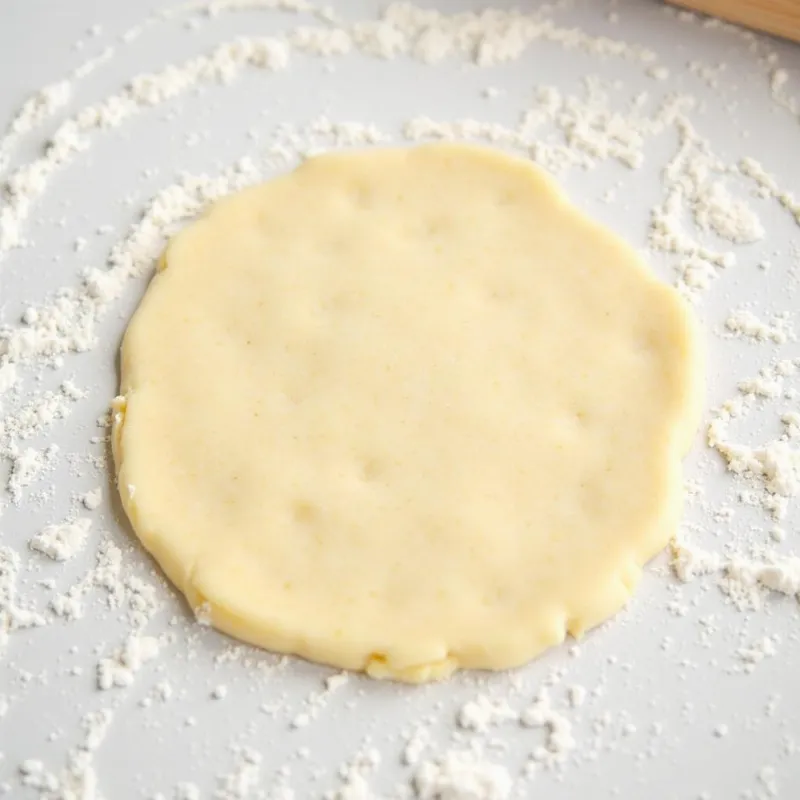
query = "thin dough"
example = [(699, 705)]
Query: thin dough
[(405, 411)]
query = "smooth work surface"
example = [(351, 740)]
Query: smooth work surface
[(682, 694)]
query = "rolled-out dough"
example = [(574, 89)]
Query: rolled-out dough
[(405, 411)]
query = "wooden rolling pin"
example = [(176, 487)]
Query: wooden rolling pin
[(779, 17)]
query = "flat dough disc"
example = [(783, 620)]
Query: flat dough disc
[(405, 411)]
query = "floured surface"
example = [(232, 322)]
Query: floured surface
[(405, 411), (689, 692)]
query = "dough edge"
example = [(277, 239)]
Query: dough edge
[(609, 598)]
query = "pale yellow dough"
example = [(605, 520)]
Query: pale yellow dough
[(405, 411)]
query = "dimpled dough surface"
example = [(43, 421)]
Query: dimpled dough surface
[(405, 411)]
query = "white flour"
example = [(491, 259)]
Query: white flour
[(28, 183), (243, 777), (769, 186), (355, 776), (37, 108), (79, 778), (746, 581), (559, 741), (690, 562), (415, 745), (753, 654), (105, 575), (63, 541), (13, 616), (120, 669), (462, 776), (92, 499), (745, 323), (317, 701), (709, 212), (483, 712)]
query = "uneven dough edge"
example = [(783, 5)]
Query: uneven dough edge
[(609, 599)]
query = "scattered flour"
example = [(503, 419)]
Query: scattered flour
[(778, 82), (187, 791), (78, 780), (355, 777), (745, 323), (219, 692), (91, 500), (791, 419), (105, 575), (243, 778), (730, 218), (415, 745), (40, 414), (559, 741), (120, 669), (768, 186), (690, 562), (560, 131), (484, 712), (461, 775), (27, 466), (747, 581), (63, 541), (774, 467), (36, 109), (772, 471), (13, 616), (318, 700), (752, 655)]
